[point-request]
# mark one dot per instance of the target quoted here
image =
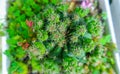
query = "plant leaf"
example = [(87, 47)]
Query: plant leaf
[(105, 39)]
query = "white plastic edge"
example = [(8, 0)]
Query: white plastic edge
[(3, 6), (4, 58), (112, 31), (117, 57), (110, 22)]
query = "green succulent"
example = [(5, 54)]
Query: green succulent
[(44, 37)]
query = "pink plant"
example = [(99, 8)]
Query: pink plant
[(29, 23), (86, 4)]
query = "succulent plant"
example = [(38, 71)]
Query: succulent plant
[(51, 38)]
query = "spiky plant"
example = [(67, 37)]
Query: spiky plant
[(57, 39)]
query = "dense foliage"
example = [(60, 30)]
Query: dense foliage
[(44, 37)]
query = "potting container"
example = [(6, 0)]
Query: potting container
[(104, 4)]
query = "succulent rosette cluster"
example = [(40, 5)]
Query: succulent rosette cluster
[(45, 38)]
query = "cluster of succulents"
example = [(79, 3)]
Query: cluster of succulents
[(47, 37)]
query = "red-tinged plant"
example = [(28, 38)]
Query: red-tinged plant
[(29, 23), (25, 45)]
